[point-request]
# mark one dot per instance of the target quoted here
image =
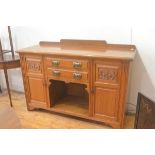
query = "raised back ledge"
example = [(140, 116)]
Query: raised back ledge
[(121, 47), (96, 45), (69, 44)]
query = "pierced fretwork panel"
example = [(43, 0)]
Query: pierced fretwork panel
[(108, 73), (34, 65)]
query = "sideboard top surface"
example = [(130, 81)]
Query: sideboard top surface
[(83, 48)]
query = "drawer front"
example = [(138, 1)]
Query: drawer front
[(67, 63), (68, 75)]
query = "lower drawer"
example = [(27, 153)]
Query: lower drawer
[(68, 75)]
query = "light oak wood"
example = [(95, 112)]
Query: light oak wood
[(102, 80), (34, 66), (37, 96), (107, 73), (66, 63), (67, 75), (72, 104), (111, 51), (97, 45), (106, 103)]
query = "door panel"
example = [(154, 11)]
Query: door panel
[(37, 91), (106, 103)]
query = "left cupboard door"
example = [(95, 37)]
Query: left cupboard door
[(37, 92), (35, 82)]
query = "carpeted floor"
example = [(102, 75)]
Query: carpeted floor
[(45, 120)]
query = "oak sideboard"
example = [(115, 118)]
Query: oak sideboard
[(82, 78)]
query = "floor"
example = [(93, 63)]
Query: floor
[(45, 120)]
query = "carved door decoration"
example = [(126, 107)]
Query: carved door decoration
[(34, 65), (106, 73)]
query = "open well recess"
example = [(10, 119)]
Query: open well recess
[(69, 97)]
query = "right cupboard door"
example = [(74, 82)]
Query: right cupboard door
[(106, 103), (107, 80)]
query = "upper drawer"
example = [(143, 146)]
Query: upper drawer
[(66, 63)]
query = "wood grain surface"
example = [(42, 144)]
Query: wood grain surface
[(82, 48), (102, 68)]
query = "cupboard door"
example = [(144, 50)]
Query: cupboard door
[(106, 103), (37, 92)]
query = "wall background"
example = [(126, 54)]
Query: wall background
[(114, 21)]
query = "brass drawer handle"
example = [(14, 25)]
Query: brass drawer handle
[(55, 63), (77, 64), (56, 73), (77, 76)]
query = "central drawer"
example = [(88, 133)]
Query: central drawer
[(61, 74), (73, 64)]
